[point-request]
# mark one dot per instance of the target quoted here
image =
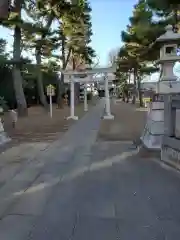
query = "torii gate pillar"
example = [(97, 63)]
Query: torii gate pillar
[(72, 114), (108, 114), (85, 98)]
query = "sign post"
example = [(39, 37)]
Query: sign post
[(50, 92)]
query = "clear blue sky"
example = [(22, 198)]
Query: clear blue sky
[(109, 18)]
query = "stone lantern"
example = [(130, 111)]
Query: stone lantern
[(168, 84), (168, 42)]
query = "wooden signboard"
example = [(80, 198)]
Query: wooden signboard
[(50, 90)]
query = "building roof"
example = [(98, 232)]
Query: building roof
[(149, 85)]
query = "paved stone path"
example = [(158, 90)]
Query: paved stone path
[(81, 189)]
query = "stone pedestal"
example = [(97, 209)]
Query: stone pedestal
[(154, 128)]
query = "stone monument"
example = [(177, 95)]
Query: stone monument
[(168, 43), (168, 84), (3, 136)]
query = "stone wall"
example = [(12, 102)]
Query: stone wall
[(177, 127), (170, 152)]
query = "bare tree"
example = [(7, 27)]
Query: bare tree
[(112, 56)]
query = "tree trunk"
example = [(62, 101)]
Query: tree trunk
[(134, 87), (139, 92), (17, 77), (4, 9), (60, 83), (40, 86), (60, 86), (140, 99)]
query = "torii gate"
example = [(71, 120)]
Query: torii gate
[(71, 77)]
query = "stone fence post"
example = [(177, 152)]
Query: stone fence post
[(169, 116), (170, 148)]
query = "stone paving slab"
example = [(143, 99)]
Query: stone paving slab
[(21, 152), (34, 199), (9, 194), (60, 216), (96, 228), (129, 231), (15, 227), (14, 162), (106, 149)]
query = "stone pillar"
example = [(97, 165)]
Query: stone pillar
[(85, 98), (169, 117), (108, 114), (72, 116)]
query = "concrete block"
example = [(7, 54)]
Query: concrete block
[(155, 128), (151, 142), (157, 105), (157, 115)]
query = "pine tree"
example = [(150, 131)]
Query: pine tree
[(16, 23), (141, 33), (167, 10), (75, 34), (39, 40), (67, 42)]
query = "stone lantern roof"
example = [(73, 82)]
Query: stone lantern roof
[(168, 36)]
